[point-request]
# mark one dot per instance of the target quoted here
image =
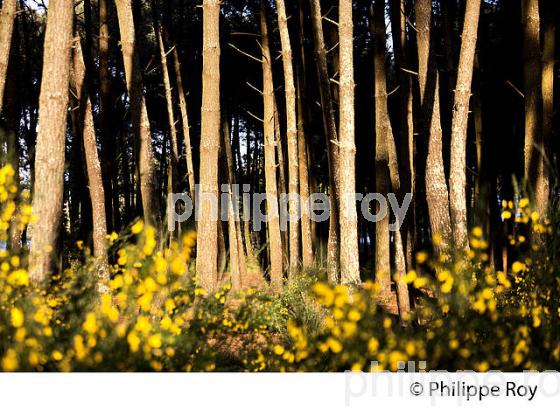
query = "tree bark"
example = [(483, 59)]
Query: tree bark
[(436, 185), (174, 163), (7, 18), (306, 241), (139, 114), (51, 138), (108, 155), (349, 258), (93, 167), (275, 241), (207, 243), (459, 126), (331, 137), (543, 183), (294, 207), (184, 123), (237, 260), (386, 167)]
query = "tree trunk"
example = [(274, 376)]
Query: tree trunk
[(459, 125), (184, 122), (207, 243), (7, 18), (306, 242), (51, 138), (174, 163), (349, 258), (275, 241), (386, 166), (138, 112), (543, 183), (105, 109), (291, 132), (436, 185), (237, 260), (93, 167), (331, 137)]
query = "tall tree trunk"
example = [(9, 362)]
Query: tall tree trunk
[(386, 167), (7, 18), (543, 183), (207, 243), (459, 125), (237, 260), (306, 241), (407, 157), (291, 132), (533, 94), (436, 185), (51, 138), (108, 153), (139, 114), (349, 258), (93, 167), (184, 122), (174, 163), (331, 137), (284, 233), (275, 241)]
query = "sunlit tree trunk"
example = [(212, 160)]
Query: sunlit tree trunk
[(459, 125), (275, 241), (7, 18), (386, 167), (92, 165), (543, 183), (207, 242), (237, 261), (436, 185), (184, 122), (138, 112), (291, 133), (306, 242), (331, 137), (51, 137), (174, 163), (107, 131), (349, 260)]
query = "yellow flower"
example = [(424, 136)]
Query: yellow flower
[(373, 345), (420, 282), (56, 355), (334, 345), (133, 341), (356, 367), (421, 257), (90, 324), (354, 315), (506, 214), (137, 227), (477, 232), (447, 285), (517, 267), (18, 277), (10, 361), (278, 350), (155, 341), (16, 317), (410, 277)]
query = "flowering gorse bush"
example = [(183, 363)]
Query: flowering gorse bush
[(151, 315)]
